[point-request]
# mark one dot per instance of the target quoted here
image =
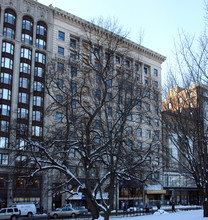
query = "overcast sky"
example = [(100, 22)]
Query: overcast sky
[(158, 20)]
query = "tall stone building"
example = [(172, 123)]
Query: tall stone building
[(33, 37)]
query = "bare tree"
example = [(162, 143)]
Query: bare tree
[(185, 111), (96, 103)]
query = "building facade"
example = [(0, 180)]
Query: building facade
[(184, 121), (32, 36)]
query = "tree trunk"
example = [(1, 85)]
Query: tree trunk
[(205, 207), (107, 215), (91, 204)]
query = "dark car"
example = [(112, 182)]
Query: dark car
[(81, 209)]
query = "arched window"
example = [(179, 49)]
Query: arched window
[(9, 23), (41, 35), (27, 30)]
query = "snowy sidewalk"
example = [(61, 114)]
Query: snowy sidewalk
[(179, 215)]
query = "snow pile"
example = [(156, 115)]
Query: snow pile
[(161, 212)]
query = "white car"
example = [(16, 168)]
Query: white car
[(64, 212), (9, 213)]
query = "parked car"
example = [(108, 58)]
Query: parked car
[(132, 209), (9, 213), (82, 210), (26, 209), (64, 212)]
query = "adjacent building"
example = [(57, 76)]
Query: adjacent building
[(184, 115)]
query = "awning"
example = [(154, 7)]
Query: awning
[(156, 191)]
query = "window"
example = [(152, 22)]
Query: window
[(4, 142), (118, 61), (25, 68), (145, 82), (139, 145), (40, 57), (139, 132), (59, 117), (156, 96), (73, 43), (5, 94), (147, 94), (61, 35), (4, 159), (139, 118), (8, 32), (27, 25), (60, 67), (155, 72), (39, 71), (26, 53), (6, 78), (120, 99), (156, 109), (139, 105), (22, 113), (60, 83), (148, 134), (73, 87), (98, 94), (109, 111), (27, 39), (98, 78), (7, 63), (130, 144), (37, 101), (8, 48), (145, 70), (5, 110), (169, 105), (148, 107), (9, 18), (180, 100), (38, 86), (37, 131), (148, 120), (74, 104), (37, 116), (96, 52), (24, 83), (139, 91), (148, 146), (127, 63), (109, 96), (109, 82), (156, 84), (41, 30), (136, 67), (130, 130), (4, 126), (40, 43), (73, 71), (157, 135), (107, 56), (60, 50), (73, 56), (156, 122), (59, 99), (23, 98)]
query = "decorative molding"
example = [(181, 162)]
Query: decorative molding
[(74, 19)]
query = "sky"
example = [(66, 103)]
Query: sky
[(157, 21)]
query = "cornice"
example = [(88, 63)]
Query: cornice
[(77, 20)]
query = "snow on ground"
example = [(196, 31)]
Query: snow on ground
[(179, 215)]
